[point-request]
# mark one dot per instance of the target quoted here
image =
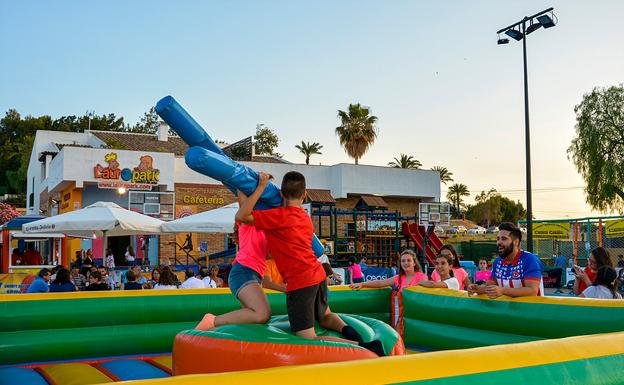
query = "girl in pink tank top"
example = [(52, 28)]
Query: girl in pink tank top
[(410, 274)]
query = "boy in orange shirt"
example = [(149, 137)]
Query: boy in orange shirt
[(289, 232)]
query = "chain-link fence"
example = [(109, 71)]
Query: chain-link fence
[(582, 236)]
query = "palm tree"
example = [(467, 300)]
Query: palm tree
[(455, 194), (308, 149), (357, 131), (405, 161), (445, 174)]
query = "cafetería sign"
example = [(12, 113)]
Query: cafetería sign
[(141, 177)]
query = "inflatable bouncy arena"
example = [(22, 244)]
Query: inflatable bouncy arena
[(147, 337)]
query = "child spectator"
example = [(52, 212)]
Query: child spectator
[(598, 258), (272, 278), (129, 255), (132, 284), (205, 277), (95, 282), (246, 275), (62, 282), (289, 234), (458, 271), (446, 280), (355, 271), (109, 261), (332, 277), (191, 282), (167, 280), (604, 286), (214, 275), (410, 274), (483, 275), (155, 277)]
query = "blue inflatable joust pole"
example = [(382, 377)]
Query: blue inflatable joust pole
[(205, 157)]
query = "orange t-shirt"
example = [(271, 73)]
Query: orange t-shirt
[(272, 272), (289, 233)]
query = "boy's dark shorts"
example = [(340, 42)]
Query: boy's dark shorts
[(306, 305)]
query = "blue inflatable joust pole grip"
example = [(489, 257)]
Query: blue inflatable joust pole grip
[(205, 157)]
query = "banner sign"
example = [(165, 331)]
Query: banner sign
[(15, 282), (551, 230), (375, 273), (614, 228)]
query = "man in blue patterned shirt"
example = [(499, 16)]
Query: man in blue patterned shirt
[(515, 273)]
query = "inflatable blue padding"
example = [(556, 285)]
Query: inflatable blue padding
[(205, 157), (20, 376), (133, 370)]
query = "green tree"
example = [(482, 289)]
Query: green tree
[(597, 150), (491, 207), (455, 196), (357, 131), (445, 175), (266, 141), (149, 123), (308, 149), (487, 209), (405, 161)]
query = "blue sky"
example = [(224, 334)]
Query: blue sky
[(443, 90)]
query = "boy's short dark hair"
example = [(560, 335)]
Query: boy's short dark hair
[(96, 275), (293, 185), (514, 231), (203, 272), (189, 273), (130, 276)]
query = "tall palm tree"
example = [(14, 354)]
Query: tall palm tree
[(308, 149), (455, 194), (405, 161), (357, 131), (445, 174)]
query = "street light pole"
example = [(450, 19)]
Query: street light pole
[(527, 144), (541, 20)]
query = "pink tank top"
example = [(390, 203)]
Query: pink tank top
[(413, 282), (253, 248)]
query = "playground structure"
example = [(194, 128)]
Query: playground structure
[(88, 335)]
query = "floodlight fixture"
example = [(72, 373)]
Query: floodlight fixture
[(503, 41), (546, 21), (514, 34)]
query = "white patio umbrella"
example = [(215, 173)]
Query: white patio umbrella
[(219, 220), (105, 219)]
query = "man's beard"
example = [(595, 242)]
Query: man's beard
[(507, 251)]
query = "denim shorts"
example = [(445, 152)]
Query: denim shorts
[(241, 276)]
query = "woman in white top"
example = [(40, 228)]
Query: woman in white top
[(129, 255), (604, 286), (167, 280), (109, 262), (444, 267)]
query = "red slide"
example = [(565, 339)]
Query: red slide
[(433, 240), (413, 233)]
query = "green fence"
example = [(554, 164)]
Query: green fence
[(474, 250)]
